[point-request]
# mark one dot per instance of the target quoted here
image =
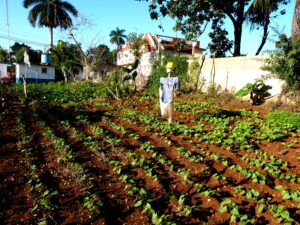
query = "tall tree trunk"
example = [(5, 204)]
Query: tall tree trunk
[(237, 39), (50, 37), (296, 18), (238, 28), (265, 35)]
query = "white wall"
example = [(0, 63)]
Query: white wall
[(3, 69), (124, 57), (34, 73), (235, 72)]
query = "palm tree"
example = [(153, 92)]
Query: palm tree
[(51, 14), (259, 15), (261, 5), (117, 37)]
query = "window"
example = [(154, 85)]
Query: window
[(44, 70)]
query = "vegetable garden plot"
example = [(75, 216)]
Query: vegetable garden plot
[(120, 162)]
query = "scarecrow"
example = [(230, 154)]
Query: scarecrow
[(166, 92)]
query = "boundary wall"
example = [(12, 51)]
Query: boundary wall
[(233, 73)]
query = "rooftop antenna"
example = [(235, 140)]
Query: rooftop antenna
[(8, 34)]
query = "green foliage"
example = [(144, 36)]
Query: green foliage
[(50, 14), (6, 99), (18, 53), (258, 91), (131, 72), (220, 44), (100, 55), (61, 92), (118, 37), (281, 214), (256, 87), (136, 43), (244, 90), (284, 63), (290, 120), (193, 17), (115, 83), (195, 81), (159, 70), (4, 56), (64, 58)]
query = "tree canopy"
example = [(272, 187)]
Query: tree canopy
[(284, 63), (64, 58), (100, 55), (50, 13), (4, 55), (193, 17), (118, 37), (18, 53)]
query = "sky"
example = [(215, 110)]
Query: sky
[(107, 15)]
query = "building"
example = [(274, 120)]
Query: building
[(34, 74), (158, 45), (7, 72), (155, 47)]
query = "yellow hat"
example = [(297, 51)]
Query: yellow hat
[(170, 65)]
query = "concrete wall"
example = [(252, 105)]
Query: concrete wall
[(144, 69), (235, 72), (3, 69), (35, 73)]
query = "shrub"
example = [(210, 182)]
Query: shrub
[(159, 70), (284, 62), (63, 92)]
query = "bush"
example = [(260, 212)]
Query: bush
[(159, 70), (284, 63), (115, 85), (63, 92), (285, 119)]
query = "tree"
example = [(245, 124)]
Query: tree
[(220, 44), (88, 59), (296, 18), (193, 17), (4, 55), (118, 37), (284, 62), (100, 55), (64, 57), (259, 15), (51, 14), (18, 53)]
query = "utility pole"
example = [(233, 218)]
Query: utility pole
[(8, 33)]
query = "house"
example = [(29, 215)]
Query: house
[(7, 72), (35, 73), (160, 44), (156, 46)]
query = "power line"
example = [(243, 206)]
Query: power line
[(32, 35), (23, 40)]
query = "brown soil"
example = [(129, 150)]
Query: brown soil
[(165, 186)]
